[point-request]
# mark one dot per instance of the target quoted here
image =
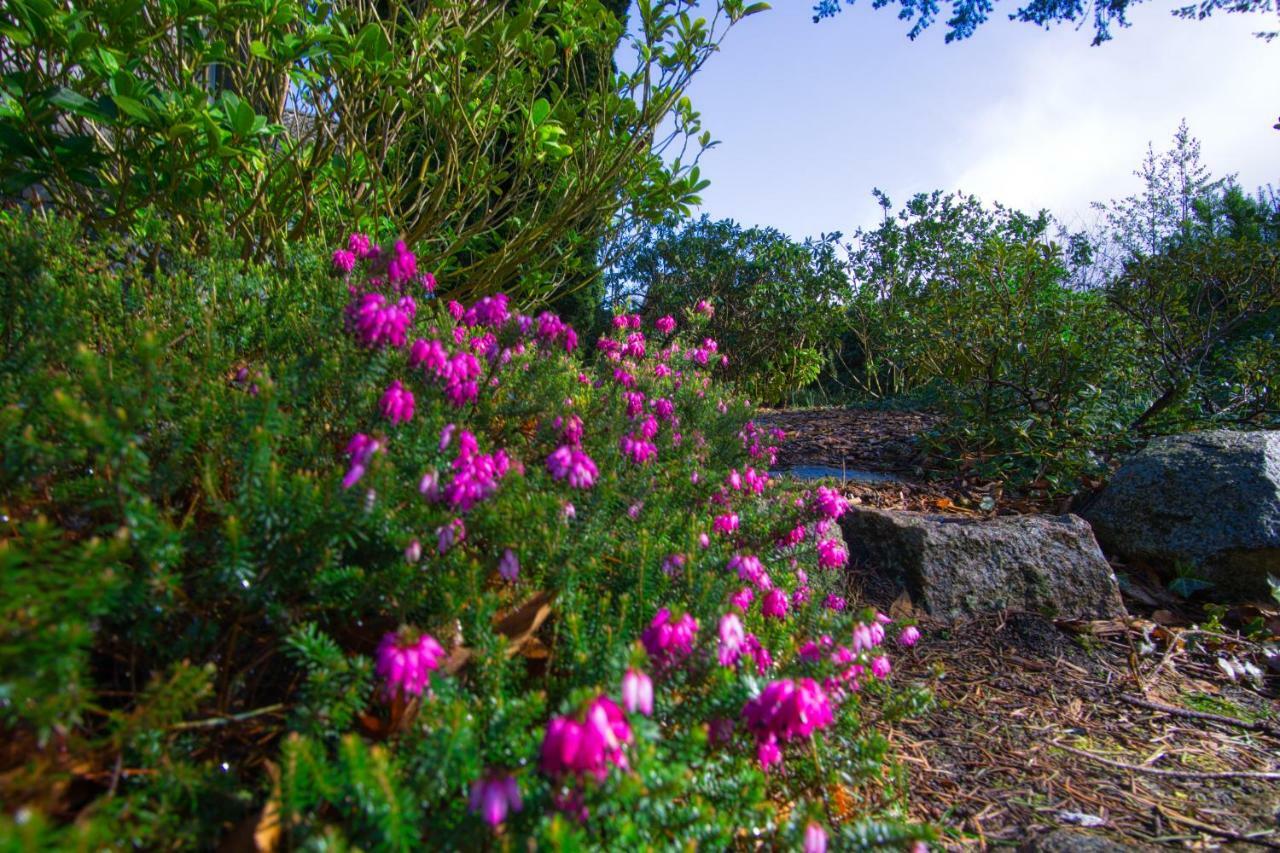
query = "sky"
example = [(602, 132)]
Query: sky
[(811, 117)]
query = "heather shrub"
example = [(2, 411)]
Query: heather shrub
[(315, 552)]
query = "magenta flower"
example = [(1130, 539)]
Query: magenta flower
[(450, 534), (727, 523), (413, 551), (705, 308), (666, 325), (668, 643), (360, 450), (637, 693), (835, 603), (344, 261), (509, 566), (909, 636), (405, 662), (732, 638), (397, 403), (638, 450), (402, 266), (590, 746), (788, 709), (775, 604), (493, 796), (864, 639), (815, 839), (429, 486), (880, 667), (831, 555), (830, 503), (574, 465), (742, 599), (489, 311)]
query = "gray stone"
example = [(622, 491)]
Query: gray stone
[(956, 567), (1073, 841), (1210, 500)]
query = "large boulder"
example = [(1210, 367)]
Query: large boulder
[(1208, 500), (956, 567)]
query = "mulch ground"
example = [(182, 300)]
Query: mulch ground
[(1128, 731)]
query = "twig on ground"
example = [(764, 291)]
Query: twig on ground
[(1251, 725), (1181, 774)]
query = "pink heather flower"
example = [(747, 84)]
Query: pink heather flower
[(815, 839), (732, 639), (476, 475), (413, 551), (831, 555), (768, 753), (775, 604), (361, 246), (493, 796), (742, 599), (727, 523), (649, 428), (402, 266), (748, 567), (377, 323), (633, 511), (623, 378), (589, 746), (661, 371), (733, 480), (573, 464), (428, 282), (635, 346), (788, 709), (664, 408), (509, 566), (864, 639), (430, 355), (672, 565), (835, 602), (489, 311), (800, 596), (705, 308), (830, 503), (793, 537), (667, 642), (638, 450), (568, 511), (880, 667), (620, 321), (450, 534), (405, 662), (759, 654), (666, 325), (704, 540), (909, 636), (429, 486), (446, 436), (570, 429), (360, 450), (397, 403), (344, 261), (637, 693)]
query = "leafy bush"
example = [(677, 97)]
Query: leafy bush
[(337, 563), (775, 300), (499, 134), (970, 305)]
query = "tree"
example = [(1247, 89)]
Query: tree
[(968, 15)]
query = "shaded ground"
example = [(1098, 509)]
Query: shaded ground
[(1126, 732)]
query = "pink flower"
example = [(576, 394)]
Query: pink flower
[(639, 450), (573, 464), (489, 311), (909, 636), (788, 709), (704, 540), (727, 523), (509, 566), (748, 567), (831, 555), (742, 599), (402, 266), (815, 839), (344, 261), (668, 643), (397, 403), (429, 486), (360, 450), (405, 662), (768, 753), (590, 746), (864, 639), (830, 503), (493, 796), (732, 639), (835, 603), (450, 534), (413, 551), (880, 667), (637, 693), (775, 604), (705, 308), (666, 325)]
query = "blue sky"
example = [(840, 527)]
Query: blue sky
[(811, 116)]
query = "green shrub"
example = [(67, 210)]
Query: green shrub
[(201, 570), (776, 301)]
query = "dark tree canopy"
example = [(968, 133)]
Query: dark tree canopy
[(967, 15)]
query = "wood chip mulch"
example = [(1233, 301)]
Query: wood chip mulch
[(1036, 730)]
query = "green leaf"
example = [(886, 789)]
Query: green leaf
[(132, 107), (539, 112), (74, 102)]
